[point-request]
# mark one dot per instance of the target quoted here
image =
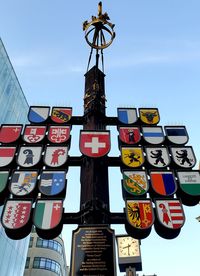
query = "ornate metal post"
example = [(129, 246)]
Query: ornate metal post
[(94, 171)]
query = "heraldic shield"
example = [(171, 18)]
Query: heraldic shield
[(38, 114), (16, 213), (61, 115), (139, 213), (58, 134), (177, 134), (158, 156), (132, 156), (34, 134), (29, 156), (10, 133), (94, 143), (189, 182), (170, 213), (135, 182), (149, 116), (52, 182), (55, 156), (163, 182), (48, 214), (129, 135), (153, 135), (127, 115), (4, 175), (6, 155), (183, 156), (23, 182)]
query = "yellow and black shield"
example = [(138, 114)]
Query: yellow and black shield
[(132, 156)]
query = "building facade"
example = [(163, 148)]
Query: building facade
[(45, 257), (14, 106), (13, 109)]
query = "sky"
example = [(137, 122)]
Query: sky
[(154, 61)]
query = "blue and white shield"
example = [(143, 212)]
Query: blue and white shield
[(153, 135), (38, 114), (52, 182), (23, 182), (177, 134), (127, 115)]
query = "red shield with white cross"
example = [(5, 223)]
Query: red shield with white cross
[(95, 143)]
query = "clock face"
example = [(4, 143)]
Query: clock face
[(128, 247)]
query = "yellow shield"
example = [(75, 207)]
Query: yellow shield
[(139, 213), (132, 156), (149, 116)]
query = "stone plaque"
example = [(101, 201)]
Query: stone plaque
[(93, 251)]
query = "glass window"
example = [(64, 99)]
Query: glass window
[(51, 244), (31, 242), (48, 264), (27, 262)]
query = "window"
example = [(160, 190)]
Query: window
[(51, 244), (31, 242), (48, 264), (27, 262)]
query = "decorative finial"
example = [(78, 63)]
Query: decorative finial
[(99, 32)]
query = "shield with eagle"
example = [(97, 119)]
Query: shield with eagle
[(139, 213)]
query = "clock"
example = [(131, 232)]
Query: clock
[(128, 252), (128, 247)]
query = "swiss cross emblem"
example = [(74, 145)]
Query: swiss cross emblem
[(95, 143)]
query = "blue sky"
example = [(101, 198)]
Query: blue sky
[(153, 62)]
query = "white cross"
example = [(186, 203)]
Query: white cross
[(95, 145), (57, 207)]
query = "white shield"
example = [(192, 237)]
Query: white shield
[(29, 156), (183, 156), (55, 156), (158, 156)]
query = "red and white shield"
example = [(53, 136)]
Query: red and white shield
[(129, 135), (6, 155), (58, 134), (10, 133), (95, 143), (55, 156), (170, 213), (16, 213), (34, 134)]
